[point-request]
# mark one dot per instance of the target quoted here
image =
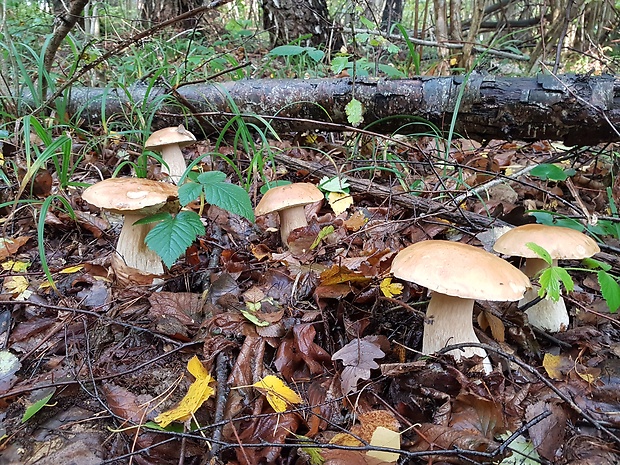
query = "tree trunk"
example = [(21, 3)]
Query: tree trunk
[(157, 11), (573, 109), (288, 20)]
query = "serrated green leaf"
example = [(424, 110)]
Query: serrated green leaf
[(610, 290), (211, 177), (550, 281), (540, 251), (38, 405), (189, 192), (171, 238), (594, 264), (355, 112), (153, 218), (548, 171), (229, 197)]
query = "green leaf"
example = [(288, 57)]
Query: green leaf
[(335, 184), (610, 290), (170, 238), (153, 218), (594, 264), (323, 233), (229, 197), (38, 405), (189, 192), (548, 171), (287, 50), (355, 112), (540, 251), (211, 177), (253, 318), (550, 280), (316, 54), (271, 184)]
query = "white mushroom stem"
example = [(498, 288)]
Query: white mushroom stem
[(132, 248), (291, 218), (449, 321), (547, 314), (173, 157)]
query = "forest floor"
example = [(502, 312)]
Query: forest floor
[(104, 361)]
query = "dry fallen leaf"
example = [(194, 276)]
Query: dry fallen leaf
[(278, 394), (197, 394), (384, 437), (10, 246), (339, 201), (18, 286), (15, 267), (358, 358)]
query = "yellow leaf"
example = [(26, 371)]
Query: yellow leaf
[(15, 267), (278, 394), (71, 269), (384, 437), (339, 201), (552, 364), (390, 289), (198, 392), (16, 284)]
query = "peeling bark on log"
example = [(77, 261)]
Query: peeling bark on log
[(423, 208), (578, 110)]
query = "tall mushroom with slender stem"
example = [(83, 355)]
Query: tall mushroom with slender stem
[(457, 274), (168, 142), (289, 201), (134, 198), (562, 244)]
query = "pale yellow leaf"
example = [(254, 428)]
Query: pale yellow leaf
[(339, 201), (278, 394), (384, 437), (552, 364), (390, 289), (15, 267), (71, 269), (16, 284), (198, 392)]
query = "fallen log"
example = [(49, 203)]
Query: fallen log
[(578, 110)]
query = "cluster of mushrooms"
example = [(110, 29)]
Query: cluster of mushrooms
[(457, 274), (137, 198)]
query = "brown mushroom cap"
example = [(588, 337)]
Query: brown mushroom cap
[(290, 195), (561, 243), (123, 195), (460, 270), (172, 135)]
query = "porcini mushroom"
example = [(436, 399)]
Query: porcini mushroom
[(135, 199), (289, 202), (457, 274), (168, 142), (561, 243)]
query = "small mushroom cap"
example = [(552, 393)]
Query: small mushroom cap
[(561, 243), (172, 135), (122, 195), (460, 270), (290, 195)]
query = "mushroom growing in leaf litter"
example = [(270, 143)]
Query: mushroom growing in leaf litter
[(289, 201), (168, 142), (561, 244), (135, 199), (457, 274)]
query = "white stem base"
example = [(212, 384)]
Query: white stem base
[(449, 321), (546, 315), (132, 249)]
